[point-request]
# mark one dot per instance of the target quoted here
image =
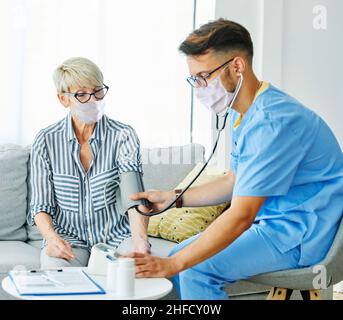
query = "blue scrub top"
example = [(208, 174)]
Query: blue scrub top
[(287, 153)]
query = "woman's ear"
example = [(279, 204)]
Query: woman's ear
[(65, 101)]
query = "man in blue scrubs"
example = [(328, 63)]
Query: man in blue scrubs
[(285, 182)]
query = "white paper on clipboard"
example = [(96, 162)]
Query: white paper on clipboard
[(66, 282)]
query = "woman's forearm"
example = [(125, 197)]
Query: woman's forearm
[(44, 224), (139, 225)]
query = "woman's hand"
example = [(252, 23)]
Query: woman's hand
[(154, 267), (158, 199), (59, 248), (141, 246)]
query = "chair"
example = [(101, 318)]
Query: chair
[(283, 283)]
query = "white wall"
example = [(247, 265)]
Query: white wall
[(313, 60), (293, 55)]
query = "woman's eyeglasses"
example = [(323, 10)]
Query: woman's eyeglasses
[(84, 97)]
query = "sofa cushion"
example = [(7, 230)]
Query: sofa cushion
[(164, 168), (13, 192), (35, 243), (32, 231), (180, 224), (161, 247), (17, 253)]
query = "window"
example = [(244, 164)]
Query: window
[(133, 42)]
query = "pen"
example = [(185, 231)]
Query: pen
[(53, 280), (39, 271)]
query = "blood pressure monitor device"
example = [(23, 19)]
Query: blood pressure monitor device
[(97, 264)]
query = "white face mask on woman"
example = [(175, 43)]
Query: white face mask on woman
[(90, 112), (215, 97)]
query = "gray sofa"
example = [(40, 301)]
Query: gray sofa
[(20, 243)]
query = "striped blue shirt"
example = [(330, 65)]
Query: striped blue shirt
[(75, 198)]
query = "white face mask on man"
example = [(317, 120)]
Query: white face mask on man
[(215, 97), (90, 112)]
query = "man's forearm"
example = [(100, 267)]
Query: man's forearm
[(212, 193), (225, 230), (219, 235), (138, 224), (44, 224)]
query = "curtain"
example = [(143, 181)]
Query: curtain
[(133, 42)]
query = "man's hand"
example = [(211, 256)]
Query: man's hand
[(158, 199), (154, 267), (59, 248)]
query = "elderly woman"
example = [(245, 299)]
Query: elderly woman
[(71, 163)]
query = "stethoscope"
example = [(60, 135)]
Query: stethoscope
[(220, 128)]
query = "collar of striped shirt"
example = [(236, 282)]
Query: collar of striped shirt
[(98, 133)]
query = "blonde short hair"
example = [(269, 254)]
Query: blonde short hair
[(77, 73)]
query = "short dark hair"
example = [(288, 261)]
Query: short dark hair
[(220, 35)]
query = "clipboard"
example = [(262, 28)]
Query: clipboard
[(54, 283)]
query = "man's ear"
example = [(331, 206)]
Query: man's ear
[(239, 65), (65, 101)]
